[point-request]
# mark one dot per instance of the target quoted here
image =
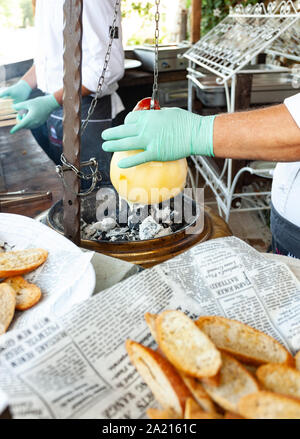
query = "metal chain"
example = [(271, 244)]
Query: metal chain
[(156, 37), (95, 174), (102, 77)]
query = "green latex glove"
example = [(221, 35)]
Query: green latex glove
[(38, 111), (164, 135), (18, 92)]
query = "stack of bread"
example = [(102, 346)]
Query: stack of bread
[(16, 293), (216, 368)]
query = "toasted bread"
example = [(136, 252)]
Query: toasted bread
[(268, 405), (243, 342), (161, 376), (193, 411), (212, 381), (161, 414), (297, 360), (198, 392), (280, 378), (185, 346), (151, 322), (231, 415), (27, 295), (235, 383), (14, 263), (7, 306)]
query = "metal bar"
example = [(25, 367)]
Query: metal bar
[(286, 55), (72, 57)]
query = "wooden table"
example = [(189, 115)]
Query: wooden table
[(24, 165)]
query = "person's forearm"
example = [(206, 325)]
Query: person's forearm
[(59, 94), (30, 77), (267, 134)]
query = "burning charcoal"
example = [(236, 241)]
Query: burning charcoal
[(133, 222), (175, 227), (117, 232), (149, 228), (162, 215), (176, 217), (105, 225), (82, 223), (89, 231), (164, 232)]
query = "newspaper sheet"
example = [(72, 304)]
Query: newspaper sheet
[(77, 366), (57, 277)]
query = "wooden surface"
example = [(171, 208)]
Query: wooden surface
[(24, 165), (196, 20)]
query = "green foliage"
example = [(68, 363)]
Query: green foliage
[(27, 12), (213, 11), (16, 13), (143, 9)]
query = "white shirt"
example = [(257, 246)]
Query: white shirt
[(97, 17), (286, 179)]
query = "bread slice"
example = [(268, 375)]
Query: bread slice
[(212, 381), (27, 295), (161, 414), (185, 346), (297, 360), (14, 263), (198, 392), (268, 405), (231, 415), (280, 378), (7, 306), (162, 378), (151, 322), (193, 411), (243, 342), (235, 383)]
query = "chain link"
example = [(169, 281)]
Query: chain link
[(95, 175), (102, 77), (156, 37)]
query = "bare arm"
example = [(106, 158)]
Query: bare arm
[(267, 134), (30, 77)]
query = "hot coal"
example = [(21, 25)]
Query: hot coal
[(143, 222), (109, 219)]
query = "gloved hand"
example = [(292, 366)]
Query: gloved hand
[(164, 135), (19, 92), (39, 109)]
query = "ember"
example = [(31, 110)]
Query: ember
[(144, 222), (106, 218)]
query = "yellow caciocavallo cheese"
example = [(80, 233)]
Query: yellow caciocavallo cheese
[(149, 183)]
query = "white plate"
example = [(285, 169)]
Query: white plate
[(66, 278), (132, 63)]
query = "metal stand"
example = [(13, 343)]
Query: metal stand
[(72, 114), (225, 51)]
